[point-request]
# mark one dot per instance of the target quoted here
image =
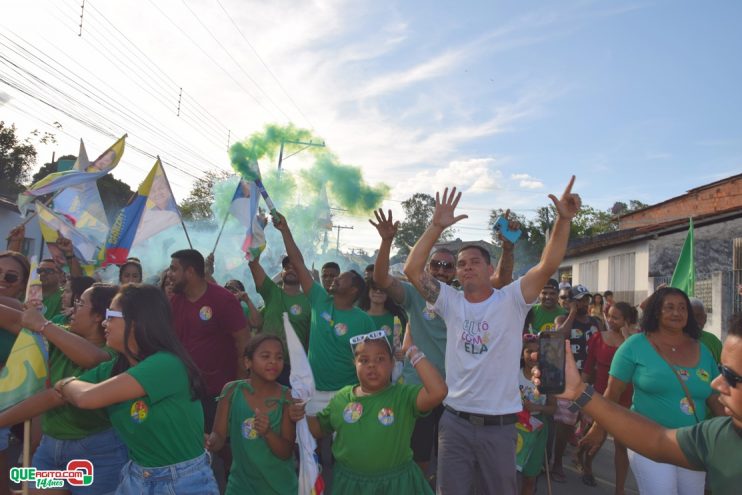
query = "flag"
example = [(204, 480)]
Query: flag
[(244, 208), (684, 276), (86, 173), (82, 205), (302, 388), (85, 248), (151, 211), (25, 372)]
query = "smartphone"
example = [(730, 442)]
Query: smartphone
[(501, 226), (551, 362)]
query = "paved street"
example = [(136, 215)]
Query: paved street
[(602, 470)]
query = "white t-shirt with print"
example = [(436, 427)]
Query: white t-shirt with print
[(483, 349)]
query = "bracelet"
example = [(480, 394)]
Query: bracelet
[(411, 351), (417, 358), (64, 384), (43, 327)]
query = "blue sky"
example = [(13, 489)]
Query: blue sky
[(640, 99)]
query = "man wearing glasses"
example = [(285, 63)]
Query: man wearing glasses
[(427, 329), (713, 446), (51, 286)]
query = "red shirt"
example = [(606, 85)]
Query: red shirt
[(598, 363), (206, 328)]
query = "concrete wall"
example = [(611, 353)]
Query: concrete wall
[(9, 219)]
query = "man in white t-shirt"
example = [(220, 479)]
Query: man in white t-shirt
[(477, 434)]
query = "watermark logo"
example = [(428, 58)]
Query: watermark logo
[(79, 472)]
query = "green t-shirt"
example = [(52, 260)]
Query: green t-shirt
[(543, 319), (255, 468), (713, 343), (163, 427), (330, 355), (53, 304), (428, 332), (7, 339), (386, 322), (714, 446), (657, 393), (68, 422), (374, 431), (277, 302)]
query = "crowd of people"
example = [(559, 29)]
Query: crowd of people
[(184, 387)]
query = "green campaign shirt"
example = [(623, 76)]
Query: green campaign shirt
[(330, 355), (714, 446), (163, 427), (543, 319), (277, 302), (713, 343), (386, 322), (53, 304), (428, 332), (657, 393), (68, 422), (7, 339), (372, 432)]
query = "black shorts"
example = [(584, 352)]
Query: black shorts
[(425, 435)]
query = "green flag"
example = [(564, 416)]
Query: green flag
[(684, 276)]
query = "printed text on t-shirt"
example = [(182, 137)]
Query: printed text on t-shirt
[(475, 336)]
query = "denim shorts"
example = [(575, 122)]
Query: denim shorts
[(192, 477), (104, 449)]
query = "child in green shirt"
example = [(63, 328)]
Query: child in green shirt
[(251, 412)]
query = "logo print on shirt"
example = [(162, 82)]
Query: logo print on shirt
[(341, 329), (248, 429), (475, 336), (352, 412), (577, 333), (205, 313), (387, 330), (386, 416), (295, 310), (139, 412), (328, 318), (428, 313), (703, 374), (686, 407), (683, 374)]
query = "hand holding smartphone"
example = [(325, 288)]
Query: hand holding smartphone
[(551, 362), (501, 226)]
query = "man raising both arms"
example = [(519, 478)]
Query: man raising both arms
[(477, 434)]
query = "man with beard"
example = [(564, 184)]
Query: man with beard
[(547, 310), (578, 326), (334, 320), (427, 329), (210, 323), (278, 301)]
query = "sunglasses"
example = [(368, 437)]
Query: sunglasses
[(447, 265), (732, 378), (113, 314), (375, 335), (11, 278), (47, 271)]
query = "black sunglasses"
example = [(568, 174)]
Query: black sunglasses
[(11, 278), (42, 271), (441, 264), (732, 378)]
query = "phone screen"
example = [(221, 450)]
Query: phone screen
[(551, 362)]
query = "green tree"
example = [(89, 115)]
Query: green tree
[(418, 210), (197, 206), (50, 168), (16, 159)]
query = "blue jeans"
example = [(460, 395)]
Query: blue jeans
[(105, 450), (192, 477)]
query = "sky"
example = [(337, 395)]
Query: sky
[(505, 100)]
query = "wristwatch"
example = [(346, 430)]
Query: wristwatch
[(583, 399)]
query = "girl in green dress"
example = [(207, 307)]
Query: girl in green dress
[(251, 412), (373, 421)]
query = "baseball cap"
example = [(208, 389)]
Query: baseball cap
[(579, 291), (552, 283)]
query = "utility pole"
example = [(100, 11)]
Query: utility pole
[(337, 246)]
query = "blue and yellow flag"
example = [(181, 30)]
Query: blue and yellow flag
[(150, 212), (85, 173), (244, 208), (25, 372)]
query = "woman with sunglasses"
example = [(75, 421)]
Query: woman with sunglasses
[(530, 460), (671, 373), (373, 421), (68, 432), (160, 420), (713, 445)]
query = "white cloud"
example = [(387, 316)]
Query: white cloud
[(527, 182), (474, 175)]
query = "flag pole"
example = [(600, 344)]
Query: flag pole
[(26, 451), (220, 232), (164, 173)]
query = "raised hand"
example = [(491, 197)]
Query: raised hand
[(443, 216), (386, 226), (18, 233), (573, 383), (209, 264), (569, 204), (279, 222), (512, 225), (65, 245)]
